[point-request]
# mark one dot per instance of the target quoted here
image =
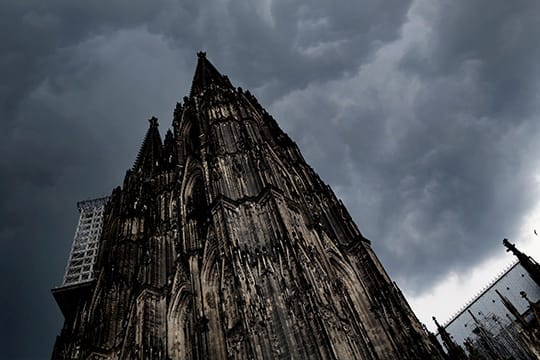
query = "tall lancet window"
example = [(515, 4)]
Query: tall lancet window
[(195, 205)]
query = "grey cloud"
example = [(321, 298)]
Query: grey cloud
[(430, 128), (499, 37), (72, 137), (266, 48), (406, 130), (78, 82)]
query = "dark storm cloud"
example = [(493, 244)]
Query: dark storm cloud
[(419, 121), (438, 132), (78, 81), (71, 138)]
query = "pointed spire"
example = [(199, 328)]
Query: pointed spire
[(485, 336), (170, 155), (149, 158), (206, 74), (454, 350), (513, 310), (532, 267)]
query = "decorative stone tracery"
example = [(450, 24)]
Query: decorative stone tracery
[(224, 244)]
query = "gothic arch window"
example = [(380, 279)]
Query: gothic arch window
[(190, 137), (195, 198), (180, 324), (195, 211)]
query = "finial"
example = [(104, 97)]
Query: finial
[(436, 322), (177, 110), (511, 247), (153, 121), (201, 54)]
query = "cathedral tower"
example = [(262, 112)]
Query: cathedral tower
[(223, 243)]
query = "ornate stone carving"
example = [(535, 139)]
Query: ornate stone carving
[(224, 244)]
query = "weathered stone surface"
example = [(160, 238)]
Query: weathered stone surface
[(223, 243)]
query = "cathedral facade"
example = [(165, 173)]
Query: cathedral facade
[(223, 243)]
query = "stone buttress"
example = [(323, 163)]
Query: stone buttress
[(224, 243)]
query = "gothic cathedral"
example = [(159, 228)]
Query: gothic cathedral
[(223, 243)]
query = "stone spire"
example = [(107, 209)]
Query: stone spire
[(150, 155), (236, 249), (207, 76), (508, 304), (455, 352), (532, 267), (485, 337)]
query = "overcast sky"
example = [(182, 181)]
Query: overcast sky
[(422, 115)]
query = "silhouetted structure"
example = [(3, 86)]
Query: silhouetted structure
[(224, 244), (501, 322), (527, 262), (454, 351)]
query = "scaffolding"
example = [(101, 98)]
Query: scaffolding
[(84, 250)]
